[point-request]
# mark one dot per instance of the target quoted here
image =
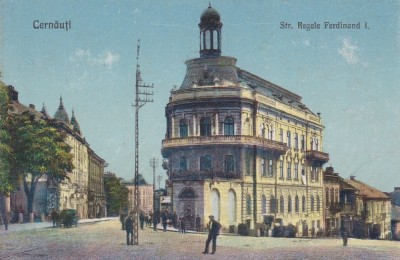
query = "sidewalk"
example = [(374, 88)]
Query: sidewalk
[(16, 227)]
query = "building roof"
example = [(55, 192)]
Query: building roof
[(75, 123), (366, 190), (210, 15)]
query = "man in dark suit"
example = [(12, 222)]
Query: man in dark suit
[(129, 222), (213, 232)]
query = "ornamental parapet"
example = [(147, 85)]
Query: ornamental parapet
[(317, 156), (201, 175), (271, 145)]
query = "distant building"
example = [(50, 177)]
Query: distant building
[(372, 211), (145, 200), (332, 204), (96, 195), (395, 214), (242, 148)]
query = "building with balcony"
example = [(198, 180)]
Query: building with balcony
[(333, 207), (240, 147)]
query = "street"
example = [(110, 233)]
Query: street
[(106, 240)]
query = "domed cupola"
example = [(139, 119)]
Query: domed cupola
[(61, 114), (210, 33)]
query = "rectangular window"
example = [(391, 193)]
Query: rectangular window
[(263, 167), (281, 169), (302, 142), (281, 135), (229, 164), (289, 173), (296, 171), (289, 140), (248, 158), (270, 168), (205, 163), (296, 141), (183, 164)]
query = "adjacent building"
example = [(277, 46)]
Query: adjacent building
[(83, 190), (242, 148), (145, 199)]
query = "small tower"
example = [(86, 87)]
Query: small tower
[(210, 33), (75, 123), (44, 112)]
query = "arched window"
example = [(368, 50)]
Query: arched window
[(208, 39), (282, 204), (318, 203), (272, 203), (263, 204), (205, 126), (248, 204), (215, 40), (312, 202), (296, 204), (232, 207), (332, 196), (183, 128), (215, 203), (229, 126), (183, 163), (289, 204), (303, 204)]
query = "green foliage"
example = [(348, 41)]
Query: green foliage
[(6, 182), (37, 147), (116, 194)]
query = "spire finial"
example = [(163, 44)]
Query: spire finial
[(209, 4), (61, 102)]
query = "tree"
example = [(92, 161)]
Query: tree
[(116, 194), (37, 149), (7, 184)]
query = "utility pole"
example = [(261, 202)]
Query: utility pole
[(154, 163), (141, 98)]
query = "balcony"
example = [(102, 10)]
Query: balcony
[(317, 157), (191, 141), (201, 175)]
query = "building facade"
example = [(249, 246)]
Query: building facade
[(145, 200), (332, 204), (371, 216), (96, 195), (240, 147)]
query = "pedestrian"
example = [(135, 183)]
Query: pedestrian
[(141, 219), (198, 223), (344, 234), (164, 219), (129, 221), (155, 220), (174, 219), (182, 224), (213, 231), (21, 218), (122, 217), (53, 217), (150, 218)]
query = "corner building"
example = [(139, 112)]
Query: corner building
[(241, 148)]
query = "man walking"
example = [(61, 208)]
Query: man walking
[(129, 221), (213, 232), (141, 219), (198, 223)]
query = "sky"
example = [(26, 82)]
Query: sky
[(350, 76)]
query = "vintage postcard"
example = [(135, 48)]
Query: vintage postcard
[(187, 129)]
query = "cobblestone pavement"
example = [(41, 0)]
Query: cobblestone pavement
[(106, 240)]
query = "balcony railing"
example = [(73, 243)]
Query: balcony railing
[(317, 156), (201, 175), (225, 140)]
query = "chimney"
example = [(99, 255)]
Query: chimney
[(352, 177), (32, 106)]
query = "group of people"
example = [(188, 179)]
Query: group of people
[(128, 222)]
